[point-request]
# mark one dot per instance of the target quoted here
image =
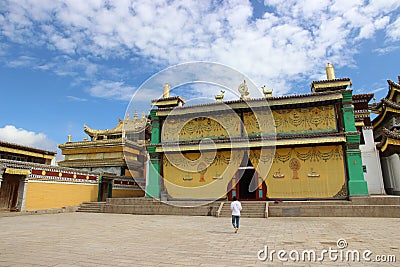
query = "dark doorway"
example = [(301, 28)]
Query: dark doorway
[(246, 184), (105, 189)]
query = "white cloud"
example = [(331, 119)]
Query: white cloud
[(393, 30), (11, 134), (112, 90), (290, 42)]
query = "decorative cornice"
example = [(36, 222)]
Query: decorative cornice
[(79, 163), (100, 143), (254, 142)]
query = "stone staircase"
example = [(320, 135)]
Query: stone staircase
[(149, 206), (372, 206), (250, 209), (91, 207)]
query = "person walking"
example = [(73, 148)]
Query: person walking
[(236, 207)]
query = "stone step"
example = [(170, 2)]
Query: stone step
[(309, 203), (376, 200), (161, 210), (389, 211)]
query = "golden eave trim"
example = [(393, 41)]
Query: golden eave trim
[(387, 109), (26, 153), (331, 84), (17, 171), (392, 91), (252, 144), (390, 141)]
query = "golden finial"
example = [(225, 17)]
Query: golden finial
[(330, 71), (69, 138), (166, 90)]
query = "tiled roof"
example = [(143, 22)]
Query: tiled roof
[(330, 81), (254, 100), (26, 148)]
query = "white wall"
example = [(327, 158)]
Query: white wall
[(370, 159)]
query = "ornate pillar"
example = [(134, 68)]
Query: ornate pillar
[(153, 183), (357, 185)]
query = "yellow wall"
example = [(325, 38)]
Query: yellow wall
[(127, 193), (306, 172), (301, 172), (41, 195), (183, 179)]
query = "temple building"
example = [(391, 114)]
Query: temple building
[(386, 128), (107, 152), (289, 147), (28, 182), (17, 152)]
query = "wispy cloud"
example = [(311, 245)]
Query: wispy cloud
[(387, 49), (74, 98)]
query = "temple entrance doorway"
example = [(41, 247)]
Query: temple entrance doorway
[(105, 189), (9, 192), (246, 184)]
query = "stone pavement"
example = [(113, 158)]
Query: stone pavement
[(91, 239)]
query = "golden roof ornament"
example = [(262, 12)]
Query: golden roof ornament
[(330, 71), (219, 98), (243, 90), (267, 93), (166, 90)]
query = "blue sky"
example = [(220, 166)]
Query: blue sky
[(67, 63)]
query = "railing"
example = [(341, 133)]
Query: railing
[(219, 209)]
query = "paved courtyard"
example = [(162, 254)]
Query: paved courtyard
[(84, 239)]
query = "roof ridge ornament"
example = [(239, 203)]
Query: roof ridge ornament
[(267, 93), (220, 98), (243, 90)]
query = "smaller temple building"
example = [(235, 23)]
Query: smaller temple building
[(29, 182), (107, 152)]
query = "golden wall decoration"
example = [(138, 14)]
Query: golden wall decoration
[(293, 121), (214, 127)]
